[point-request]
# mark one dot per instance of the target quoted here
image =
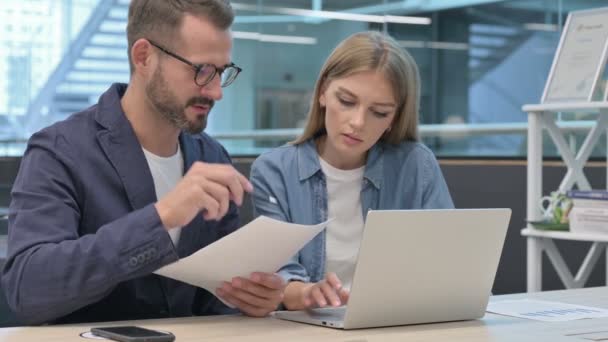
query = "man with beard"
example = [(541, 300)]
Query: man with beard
[(132, 184)]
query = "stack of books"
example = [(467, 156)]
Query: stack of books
[(589, 212)]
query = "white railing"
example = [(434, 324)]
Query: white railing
[(434, 130), (429, 130)]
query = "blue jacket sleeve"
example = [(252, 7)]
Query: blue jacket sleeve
[(270, 199), (436, 194), (51, 270)]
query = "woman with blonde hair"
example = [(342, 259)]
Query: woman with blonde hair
[(359, 151)]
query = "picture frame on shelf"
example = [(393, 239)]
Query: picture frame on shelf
[(580, 58)]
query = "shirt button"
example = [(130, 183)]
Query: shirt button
[(141, 258), (133, 262)]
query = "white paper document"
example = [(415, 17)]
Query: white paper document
[(263, 245), (545, 311)]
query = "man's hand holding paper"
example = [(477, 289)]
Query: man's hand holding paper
[(239, 268)]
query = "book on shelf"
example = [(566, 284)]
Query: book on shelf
[(589, 212), (589, 203), (601, 195), (589, 220)]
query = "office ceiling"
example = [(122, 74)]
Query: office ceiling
[(404, 7), (368, 6), (328, 5)]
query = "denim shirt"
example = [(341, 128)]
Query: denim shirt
[(290, 186)]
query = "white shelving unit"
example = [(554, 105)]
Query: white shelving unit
[(574, 79), (544, 116)]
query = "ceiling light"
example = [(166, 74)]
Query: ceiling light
[(337, 15), (419, 44), (271, 38), (541, 27)]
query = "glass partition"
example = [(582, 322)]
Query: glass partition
[(480, 61)]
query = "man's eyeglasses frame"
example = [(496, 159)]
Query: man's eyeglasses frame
[(233, 69)]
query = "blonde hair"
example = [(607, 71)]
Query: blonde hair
[(374, 51)]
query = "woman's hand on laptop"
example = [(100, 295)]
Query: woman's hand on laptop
[(327, 292), (256, 296)]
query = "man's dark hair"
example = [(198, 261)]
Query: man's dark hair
[(161, 19)]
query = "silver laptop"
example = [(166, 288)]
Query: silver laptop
[(419, 266)]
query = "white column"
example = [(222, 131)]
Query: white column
[(534, 192)]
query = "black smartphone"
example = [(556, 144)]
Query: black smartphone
[(133, 334)]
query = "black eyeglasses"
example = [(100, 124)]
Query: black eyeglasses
[(204, 73)]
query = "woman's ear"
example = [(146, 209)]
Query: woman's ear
[(390, 126), (322, 100), (322, 97)]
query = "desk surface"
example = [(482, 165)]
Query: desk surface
[(238, 328)]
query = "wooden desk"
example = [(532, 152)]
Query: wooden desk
[(238, 328)]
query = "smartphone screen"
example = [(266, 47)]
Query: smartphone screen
[(133, 334)]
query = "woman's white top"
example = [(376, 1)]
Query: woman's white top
[(345, 231)]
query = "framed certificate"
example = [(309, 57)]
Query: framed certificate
[(580, 57)]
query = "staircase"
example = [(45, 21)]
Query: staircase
[(95, 59), (489, 45), (491, 40)]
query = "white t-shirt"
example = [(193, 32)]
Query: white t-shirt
[(345, 231), (166, 172)]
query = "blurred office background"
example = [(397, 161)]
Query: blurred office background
[(480, 61)]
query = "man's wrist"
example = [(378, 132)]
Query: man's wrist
[(163, 214)]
